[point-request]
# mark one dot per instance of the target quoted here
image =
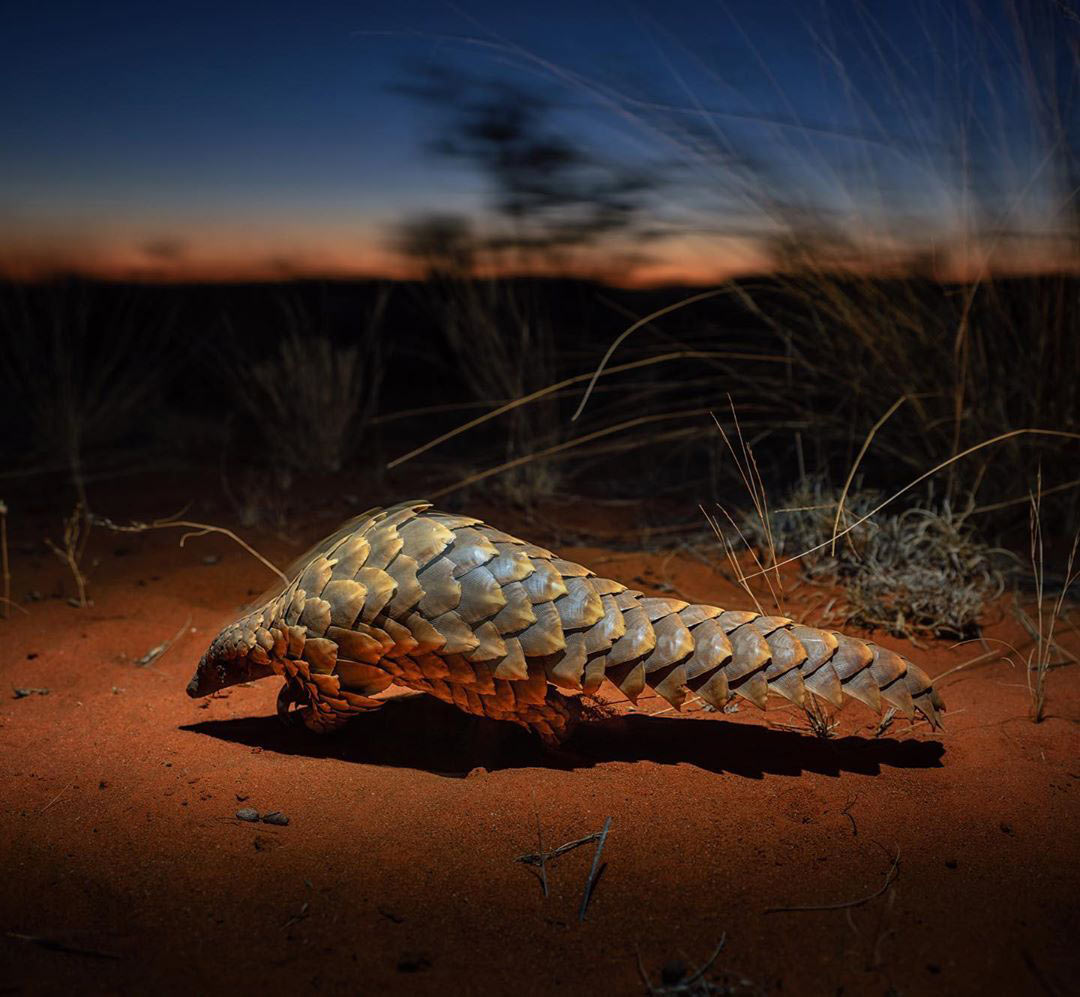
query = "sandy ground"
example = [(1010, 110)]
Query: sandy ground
[(125, 869)]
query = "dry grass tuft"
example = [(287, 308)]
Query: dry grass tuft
[(819, 718), (922, 571), (89, 362), (505, 347), (311, 398)]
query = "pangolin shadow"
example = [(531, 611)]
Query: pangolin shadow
[(420, 732)]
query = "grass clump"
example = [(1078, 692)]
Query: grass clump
[(311, 397), (921, 571), (87, 364)]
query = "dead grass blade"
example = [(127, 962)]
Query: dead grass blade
[(747, 466), (1043, 626), (855, 466), (684, 986), (537, 858), (890, 878), (978, 659), (553, 389), (57, 945), (593, 872), (1020, 500), (621, 338), (566, 445), (159, 649)]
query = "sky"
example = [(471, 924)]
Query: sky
[(268, 140)]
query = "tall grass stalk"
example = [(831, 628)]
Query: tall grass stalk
[(1042, 628), (746, 465)]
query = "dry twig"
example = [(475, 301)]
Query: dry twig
[(682, 986), (159, 649), (197, 530), (76, 531), (542, 857), (56, 798), (56, 945)]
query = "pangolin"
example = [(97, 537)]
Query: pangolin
[(449, 606)]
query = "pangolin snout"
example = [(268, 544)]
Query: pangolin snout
[(209, 676), (221, 657), (193, 686), (227, 661)]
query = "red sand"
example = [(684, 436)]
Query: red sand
[(126, 871)]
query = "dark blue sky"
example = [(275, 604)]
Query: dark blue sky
[(204, 138)]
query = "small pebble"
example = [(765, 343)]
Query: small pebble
[(478, 771), (248, 814), (1005, 828), (951, 863), (413, 962), (211, 559), (23, 693), (241, 797), (275, 817)]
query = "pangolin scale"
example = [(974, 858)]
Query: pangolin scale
[(447, 605)]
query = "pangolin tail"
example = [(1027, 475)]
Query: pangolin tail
[(715, 654)]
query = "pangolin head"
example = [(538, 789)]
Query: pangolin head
[(235, 655)]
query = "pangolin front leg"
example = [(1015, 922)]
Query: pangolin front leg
[(452, 607)]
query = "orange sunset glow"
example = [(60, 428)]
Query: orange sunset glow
[(687, 261), (303, 152)]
